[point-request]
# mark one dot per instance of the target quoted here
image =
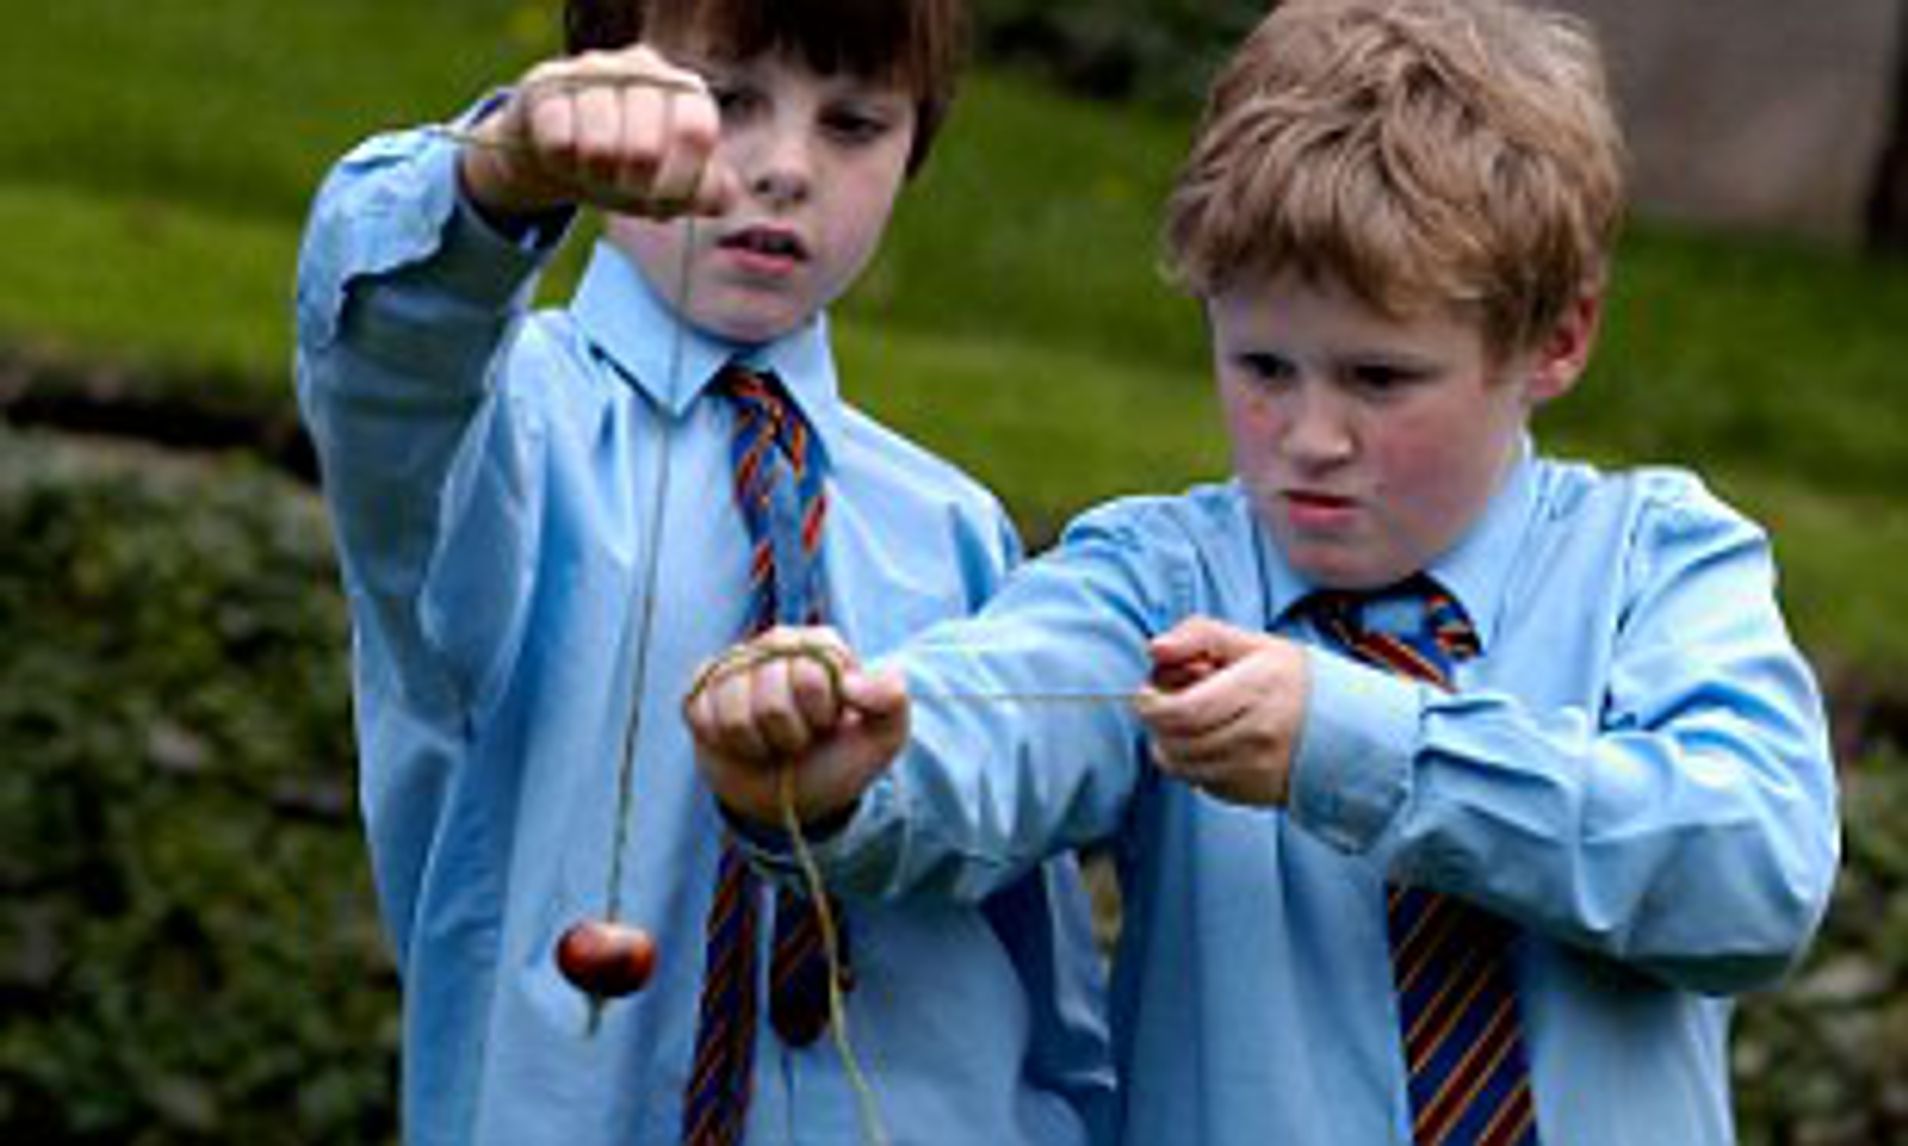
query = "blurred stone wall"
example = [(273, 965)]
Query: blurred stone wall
[(1767, 114)]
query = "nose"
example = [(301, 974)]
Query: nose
[(1318, 428), (780, 164)]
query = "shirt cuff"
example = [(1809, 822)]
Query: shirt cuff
[(1352, 770), (771, 848)]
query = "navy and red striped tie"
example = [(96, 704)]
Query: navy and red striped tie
[(780, 492), (1467, 1067)]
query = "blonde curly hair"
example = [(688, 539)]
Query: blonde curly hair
[(1422, 153)]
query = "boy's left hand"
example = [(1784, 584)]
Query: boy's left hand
[(791, 722), (1225, 709)]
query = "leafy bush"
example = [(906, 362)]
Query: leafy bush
[(188, 946), (1824, 1062)]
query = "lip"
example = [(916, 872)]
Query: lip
[(763, 249), (1311, 509)]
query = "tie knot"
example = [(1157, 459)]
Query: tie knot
[(1384, 625), (764, 414)]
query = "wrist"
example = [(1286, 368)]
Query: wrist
[(497, 176), (490, 180), (775, 839)]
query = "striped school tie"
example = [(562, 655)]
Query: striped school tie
[(1469, 1075), (780, 493)]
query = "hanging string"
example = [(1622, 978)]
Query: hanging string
[(867, 1110)]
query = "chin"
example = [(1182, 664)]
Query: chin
[(1342, 571), (749, 329)]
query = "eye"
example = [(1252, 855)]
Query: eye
[(734, 98), (1384, 379), (1266, 370), (856, 123)]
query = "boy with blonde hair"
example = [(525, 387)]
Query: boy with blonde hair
[(547, 520), (1460, 789)]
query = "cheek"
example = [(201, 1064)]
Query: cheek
[(1251, 426), (861, 192), (1248, 413), (1436, 481)]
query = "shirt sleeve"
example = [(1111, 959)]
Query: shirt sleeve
[(406, 300), (1022, 743), (1685, 823)]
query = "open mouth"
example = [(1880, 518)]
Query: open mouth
[(765, 242)]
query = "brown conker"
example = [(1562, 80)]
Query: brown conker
[(1183, 675), (606, 959)]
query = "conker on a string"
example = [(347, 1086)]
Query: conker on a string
[(606, 959), (1184, 674)]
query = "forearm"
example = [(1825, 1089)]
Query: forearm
[(1675, 812), (1703, 852), (405, 307), (1022, 743)]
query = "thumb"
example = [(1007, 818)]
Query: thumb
[(878, 696), (1194, 649)]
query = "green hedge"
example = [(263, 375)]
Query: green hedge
[(188, 949), (1824, 1061), (188, 946)]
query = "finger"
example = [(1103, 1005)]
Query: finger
[(1203, 638), (697, 709), (1196, 709), (1213, 750), (818, 643), (1166, 757), (644, 117), (778, 714), (546, 117), (731, 694), (881, 695), (814, 680), (596, 153), (690, 127)]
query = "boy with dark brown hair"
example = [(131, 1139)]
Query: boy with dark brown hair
[(546, 520)]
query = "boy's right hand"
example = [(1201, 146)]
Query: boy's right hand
[(790, 715), (624, 131)]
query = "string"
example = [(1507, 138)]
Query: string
[(646, 618), (867, 1110), (567, 84), (745, 658)]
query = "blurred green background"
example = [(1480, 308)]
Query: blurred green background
[(187, 946)]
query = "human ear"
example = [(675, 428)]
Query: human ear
[(1561, 357)]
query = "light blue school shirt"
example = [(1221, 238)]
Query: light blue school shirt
[(1635, 770), (493, 477)]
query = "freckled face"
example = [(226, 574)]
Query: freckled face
[(1369, 445), (821, 159)]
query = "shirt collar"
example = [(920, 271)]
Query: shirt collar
[(635, 328), (1475, 571)]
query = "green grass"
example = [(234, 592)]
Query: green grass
[(1015, 320), (156, 283), (234, 104), (1751, 352)]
